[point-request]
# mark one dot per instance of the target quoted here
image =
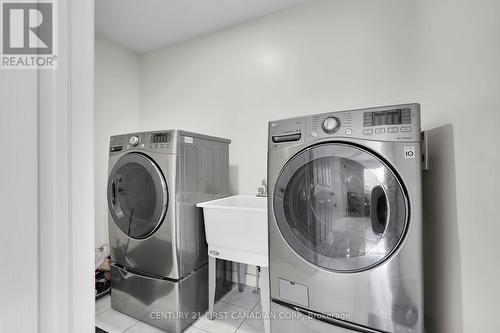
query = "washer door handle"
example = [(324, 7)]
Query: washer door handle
[(380, 210), (113, 193)]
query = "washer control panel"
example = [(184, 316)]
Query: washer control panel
[(391, 123), (388, 123)]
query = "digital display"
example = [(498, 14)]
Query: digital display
[(387, 118), (160, 137), (390, 117)]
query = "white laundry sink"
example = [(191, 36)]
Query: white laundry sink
[(236, 228)]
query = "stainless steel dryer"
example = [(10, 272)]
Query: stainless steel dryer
[(156, 233), (345, 221)]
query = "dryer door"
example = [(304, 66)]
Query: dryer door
[(340, 207), (137, 195)]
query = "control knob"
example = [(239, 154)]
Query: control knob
[(331, 125), (134, 140)]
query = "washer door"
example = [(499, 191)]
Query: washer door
[(137, 195), (340, 207)]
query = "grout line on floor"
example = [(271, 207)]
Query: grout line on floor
[(237, 328), (198, 328), (255, 305), (130, 327), (246, 318), (238, 306)]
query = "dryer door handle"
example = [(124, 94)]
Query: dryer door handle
[(113, 193)]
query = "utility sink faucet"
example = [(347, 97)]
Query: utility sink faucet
[(262, 190)]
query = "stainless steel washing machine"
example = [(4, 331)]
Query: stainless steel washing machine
[(156, 233), (345, 221)]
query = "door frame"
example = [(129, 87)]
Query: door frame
[(66, 176)]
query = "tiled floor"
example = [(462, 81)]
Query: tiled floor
[(245, 304)]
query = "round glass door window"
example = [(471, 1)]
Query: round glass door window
[(137, 195), (340, 207)]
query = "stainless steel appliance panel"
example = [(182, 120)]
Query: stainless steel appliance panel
[(288, 320), (193, 168), (383, 294), (158, 301), (203, 175), (157, 253)]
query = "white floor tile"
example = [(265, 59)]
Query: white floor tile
[(230, 318), (246, 299), (251, 326), (254, 323), (192, 329), (257, 307), (141, 327), (102, 304), (114, 321), (235, 307)]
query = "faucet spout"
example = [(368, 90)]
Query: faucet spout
[(262, 190)]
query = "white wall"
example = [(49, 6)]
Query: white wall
[(116, 112), (19, 201), (320, 57), (458, 83)]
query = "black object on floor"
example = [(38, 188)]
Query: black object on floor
[(102, 285), (98, 330)]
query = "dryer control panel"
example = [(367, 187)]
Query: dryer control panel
[(388, 123), (151, 141)]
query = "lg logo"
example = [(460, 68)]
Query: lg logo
[(28, 29)]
